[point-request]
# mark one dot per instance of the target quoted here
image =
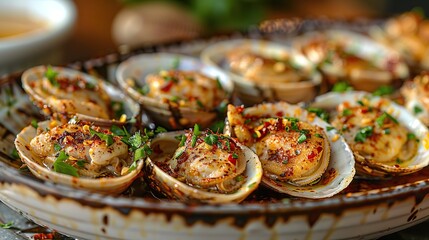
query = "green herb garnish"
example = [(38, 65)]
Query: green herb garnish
[(62, 167), (160, 130), (57, 147), (302, 138), (80, 163), (323, 114), (383, 90), (14, 154), (417, 109), (7, 225), (218, 83), (235, 155), (105, 137), (411, 136), (34, 123), (195, 134), (347, 112), (144, 90), (341, 87), (211, 139), (363, 134), (51, 75), (329, 128), (318, 135), (176, 63), (380, 120), (142, 152)]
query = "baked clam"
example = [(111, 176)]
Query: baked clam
[(194, 166), (385, 138), (79, 154), (346, 56), (408, 34), (264, 71), (176, 91), (299, 155), (65, 93)]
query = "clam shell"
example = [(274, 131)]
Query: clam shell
[(33, 75), (101, 185), (370, 167), (138, 67), (251, 93), (173, 188), (362, 47), (341, 162)]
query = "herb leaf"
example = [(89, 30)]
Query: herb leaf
[(105, 137), (51, 75), (62, 167), (417, 109), (34, 123), (383, 90), (57, 147), (7, 225), (363, 134), (211, 139), (380, 120), (341, 87), (323, 114)]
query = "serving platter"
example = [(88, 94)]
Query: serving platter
[(367, 209)]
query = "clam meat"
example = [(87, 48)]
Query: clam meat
[(203, 167), (79, 154), (298, 155), (65, 92), (416, 95), (385, 138)]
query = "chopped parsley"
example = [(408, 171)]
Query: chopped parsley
[(411, 136), (417, 109), (60, 166), (144, 90), (57, 147), (235, 155), (341, 87), (329, 128), (318, 135), (302, 138), (105, 137), (80, 163), (380, 120), (34, 123), (363, 134), (323, 114), (51, 75), (386, 131), (7, 225), (218, 126), (347, 112), (160, 130), (200, 104), (218, 83), (142, 152), (383, 90), (211, 139)]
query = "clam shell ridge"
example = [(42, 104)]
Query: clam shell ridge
[(114, 185), (341, 161), (420, 160), (253, 93), (35, 74), (175, 189), (138, 67)]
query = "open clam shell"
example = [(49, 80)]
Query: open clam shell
[(105, 185), (417, 156), (253, 92), (106, 105), (132, 75), (347, 56), (170, 186), (338, 173)]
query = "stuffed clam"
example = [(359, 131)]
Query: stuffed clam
[(298, 155), (265, 71), (64, 93), (194, 166), (384, 137), (176, 91), (356, 59), (80, 154)]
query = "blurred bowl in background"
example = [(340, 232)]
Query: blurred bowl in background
[(31, 31)]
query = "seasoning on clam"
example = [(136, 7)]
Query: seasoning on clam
[(64, 93), (176, 91), (385, 138), (82, 155), (354, 58), (265, 71), (298, 155), (195, 166)]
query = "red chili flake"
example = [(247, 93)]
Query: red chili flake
[(40, 236), (167, 87), (364, 110), (232, 159), (311, 155), (279, 114), (240, 109), (319, 149)]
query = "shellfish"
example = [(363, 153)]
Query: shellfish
[(299, 155)]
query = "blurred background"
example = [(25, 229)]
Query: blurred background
[(103, 25)]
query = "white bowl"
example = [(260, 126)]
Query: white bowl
[(51, 22)]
